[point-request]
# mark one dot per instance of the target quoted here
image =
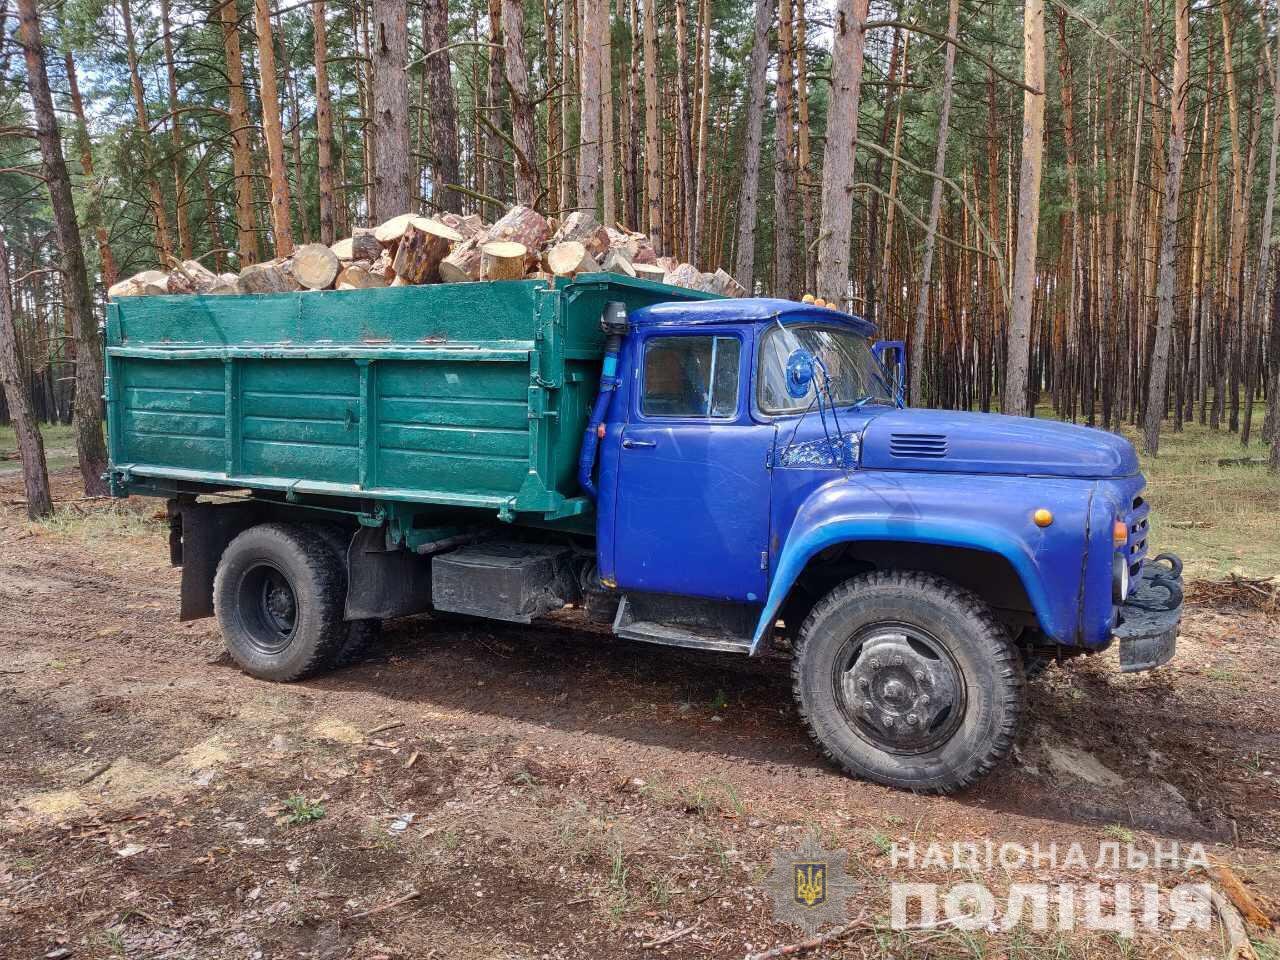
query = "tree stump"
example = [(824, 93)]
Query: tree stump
[(422, 246), (315, 266), (503, 260)]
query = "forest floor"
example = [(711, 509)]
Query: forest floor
[(485, 791)]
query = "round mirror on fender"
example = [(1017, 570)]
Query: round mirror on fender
[(799, 373)]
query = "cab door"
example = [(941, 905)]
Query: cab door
[(692, 497)]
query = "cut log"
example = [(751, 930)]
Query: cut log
[(358, 277), (228, 284), (645, 254), (668, 263), (582, 227), (138, 284), (389, 233), (684, 275), (522, 225), (191, 276), (269, 277), (503, 260), (616, 261), (382, 266), (469, 226), (463, 264), (362, 245), (424, 244), (650, 271), (724, 284), (569, 258), (315, 266)]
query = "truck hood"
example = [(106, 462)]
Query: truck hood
[(949, 441)]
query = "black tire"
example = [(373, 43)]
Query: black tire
[(360, 633), (278, 596), (907, 680)]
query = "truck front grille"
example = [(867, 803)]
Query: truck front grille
[(1138, 523)]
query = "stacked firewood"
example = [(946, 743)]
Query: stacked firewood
[(411, 249)]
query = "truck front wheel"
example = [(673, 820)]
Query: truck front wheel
[(905, 679), (278, 596)]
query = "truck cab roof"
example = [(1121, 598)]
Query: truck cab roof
[(745, 310)]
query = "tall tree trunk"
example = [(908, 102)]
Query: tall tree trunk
[(1015, 398), (935, 208), (496, 180), (241, 135), (551, 168), (636, 210), (521, 109), (589, 59), (77, 302), (94, 212), (684, 124), (164, 241), (608, 190), (392, 193), (442, 139), (784, 218), (891, 206), (35, 472), (324, 120), (652, 160), (838, 171), (272, 128), (1169, 227), (748, 206), (804, 170), (704, 109), (176, 138), (567, 100)]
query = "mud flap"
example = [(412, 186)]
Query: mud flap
[(198, 534)]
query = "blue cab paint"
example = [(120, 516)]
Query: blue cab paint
[(723, 507)]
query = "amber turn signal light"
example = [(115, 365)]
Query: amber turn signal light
[(1120, 533), (1042, 517)]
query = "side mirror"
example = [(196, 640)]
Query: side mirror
[(799, 373), (892, 356)]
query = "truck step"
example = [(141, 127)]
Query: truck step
[(700, 637)]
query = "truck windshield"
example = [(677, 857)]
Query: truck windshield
[(855, 374)]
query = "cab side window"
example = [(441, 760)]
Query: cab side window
[(695, 377)]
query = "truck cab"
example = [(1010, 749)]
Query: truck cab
[(738, 476)]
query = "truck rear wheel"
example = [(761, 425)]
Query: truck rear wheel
[(278, 596), (360, 633), (905, 679)]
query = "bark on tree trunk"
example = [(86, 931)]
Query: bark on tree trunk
[(392, 179), (1169, 227), (684, 122), (744, 268), (185, 242), (935, 209), (241, 130), (442, 139), (279, 177), (608, 192), (589, 107), (704, 109), (35, 472), (164, 241), (77, 300), (110, 274), (784, 219), (838, 170), (324, 123), (526, 146), (1015, 397), (652, 160), (496, 181)]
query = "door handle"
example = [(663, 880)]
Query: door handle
[(638, 444)]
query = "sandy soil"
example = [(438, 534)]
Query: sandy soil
[(538, 792)]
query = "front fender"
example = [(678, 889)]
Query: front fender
[(991, 513)]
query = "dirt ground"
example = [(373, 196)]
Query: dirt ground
[(478, 791)]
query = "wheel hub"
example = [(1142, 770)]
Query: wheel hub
[(901, 692), (279, 606)]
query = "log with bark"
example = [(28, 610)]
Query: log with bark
[(581, 226), (503, 260), (469, 226), (463, 264), (361, 245), (525, 226), (359, 276), (315, 266), (650, 271), (269, 277), (389, 232), (422, 246), (617, 261), (569, 258)]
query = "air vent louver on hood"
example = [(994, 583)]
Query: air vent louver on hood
[(918, 444)]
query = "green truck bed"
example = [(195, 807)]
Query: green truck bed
[(465, 395)]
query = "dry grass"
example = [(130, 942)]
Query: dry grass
[(59, 447)]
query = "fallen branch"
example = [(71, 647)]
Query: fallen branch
[(384, 728), (95, 773), (673, 936), (374, 911), (1240, 896), (791, 949), (1238, 945)]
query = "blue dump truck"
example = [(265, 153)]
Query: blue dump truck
[(724, 475)]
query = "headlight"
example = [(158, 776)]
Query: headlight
[(1119, 578)]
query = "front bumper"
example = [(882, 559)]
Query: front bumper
[(1147, 623)]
